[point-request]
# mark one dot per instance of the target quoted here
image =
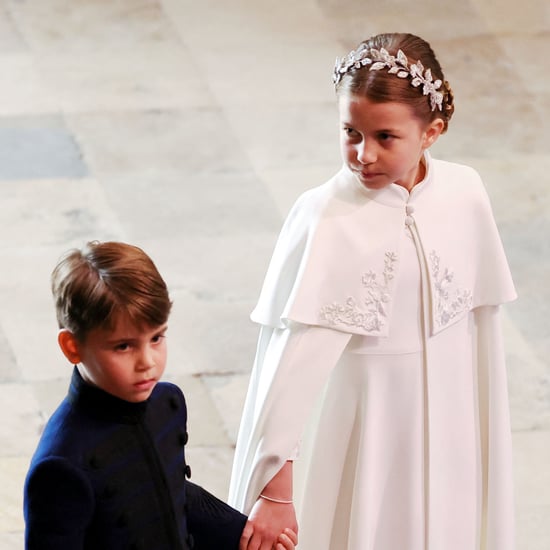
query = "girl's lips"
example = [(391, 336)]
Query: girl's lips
[(371, 180), (365, 174), (369, 175)]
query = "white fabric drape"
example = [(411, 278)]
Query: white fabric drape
[(380, 355)]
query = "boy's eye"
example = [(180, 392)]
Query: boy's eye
[(123, 346), (384, 136), (157, 338)]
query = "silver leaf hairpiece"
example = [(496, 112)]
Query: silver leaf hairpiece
[(397, 65)]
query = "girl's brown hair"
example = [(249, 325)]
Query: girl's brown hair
[(93, 286), (382, 86)]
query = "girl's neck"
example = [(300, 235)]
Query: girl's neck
[(421, 172), (418, 176)]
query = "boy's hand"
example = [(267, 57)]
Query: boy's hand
[(287, 540), (267, 527)]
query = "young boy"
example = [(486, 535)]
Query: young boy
[(109, 472)]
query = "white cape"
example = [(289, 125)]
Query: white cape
[(337, 305)]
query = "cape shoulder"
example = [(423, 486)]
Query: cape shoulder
[(339, 249)]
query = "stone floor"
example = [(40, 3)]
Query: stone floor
[(188, 127)]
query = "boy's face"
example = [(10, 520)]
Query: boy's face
[(126, 361)]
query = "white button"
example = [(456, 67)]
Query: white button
[(409, 220), (409, 209)]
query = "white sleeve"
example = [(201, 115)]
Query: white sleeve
[(497, 528), (291, 368)]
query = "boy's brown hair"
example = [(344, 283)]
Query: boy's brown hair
[(94, 286)]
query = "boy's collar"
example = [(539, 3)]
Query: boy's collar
[(103, 405)]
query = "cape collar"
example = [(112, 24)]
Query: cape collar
[(394, 195)]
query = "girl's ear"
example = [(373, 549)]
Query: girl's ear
[(433, 131), (69, 345)]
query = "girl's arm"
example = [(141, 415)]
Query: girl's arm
[(292, 366), (272, 513)]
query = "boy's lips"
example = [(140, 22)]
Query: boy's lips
[(145, 384)]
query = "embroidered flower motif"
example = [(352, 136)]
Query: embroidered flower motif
[(449, 299), (371, 314)]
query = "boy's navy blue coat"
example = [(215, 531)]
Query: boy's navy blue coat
[(111, 475)]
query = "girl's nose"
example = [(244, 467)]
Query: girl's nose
[(366, 153)]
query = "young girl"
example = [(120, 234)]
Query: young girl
[(380, 369)]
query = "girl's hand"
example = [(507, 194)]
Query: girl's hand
[(267, 527)]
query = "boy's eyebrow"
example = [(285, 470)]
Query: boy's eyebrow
[(161, 329), (117, 340)]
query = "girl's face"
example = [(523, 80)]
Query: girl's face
[(383, 143)]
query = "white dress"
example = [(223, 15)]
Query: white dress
[(394, 389)]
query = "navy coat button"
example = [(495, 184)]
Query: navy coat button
[(183, 438), (123, 520), (174, 403), (94, 462)]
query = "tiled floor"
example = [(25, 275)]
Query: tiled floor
[(188, 127)]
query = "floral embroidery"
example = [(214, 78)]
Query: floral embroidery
[(372, 316), (449, 300)]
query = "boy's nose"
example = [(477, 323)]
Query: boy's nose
[(147, 360)]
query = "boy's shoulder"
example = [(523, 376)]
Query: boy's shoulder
[(167, 388), (56, 436), (71, 429), (169, 392)]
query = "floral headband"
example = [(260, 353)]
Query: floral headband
[(397, 65)]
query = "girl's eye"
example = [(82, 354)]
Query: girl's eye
[(384, 136), (350, 132)]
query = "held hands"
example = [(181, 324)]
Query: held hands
[(287, 540), (271, 525)]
